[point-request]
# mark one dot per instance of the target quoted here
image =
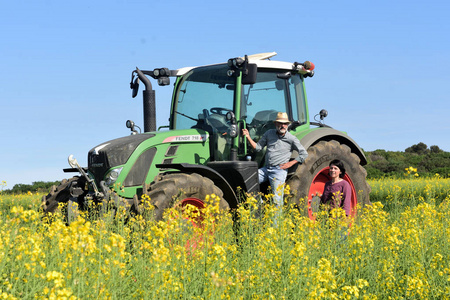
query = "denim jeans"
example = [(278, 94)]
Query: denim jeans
[(276, 177)]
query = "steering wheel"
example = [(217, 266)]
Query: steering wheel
[(219, 110)]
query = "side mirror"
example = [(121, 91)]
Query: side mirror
[(135, 87), (249, 76), (280, 85)]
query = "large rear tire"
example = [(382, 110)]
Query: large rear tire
[(177, 188), (310, 177)]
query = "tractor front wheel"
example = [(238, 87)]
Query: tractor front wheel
[(180, 189), (310, 177), (61, 194), (58, 194)]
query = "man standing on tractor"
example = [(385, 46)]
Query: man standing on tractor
[(280, 144)]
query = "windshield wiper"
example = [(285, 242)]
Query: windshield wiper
[(187, 116)]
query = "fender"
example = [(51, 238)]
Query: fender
[(328, 134), (205, 171)]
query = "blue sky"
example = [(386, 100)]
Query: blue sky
[(382, 68)]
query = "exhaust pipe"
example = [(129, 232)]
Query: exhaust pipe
[(149, 103), (149, 110)]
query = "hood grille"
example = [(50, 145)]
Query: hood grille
[(113, 153)]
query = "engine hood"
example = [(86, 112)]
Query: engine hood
[(115, 152)]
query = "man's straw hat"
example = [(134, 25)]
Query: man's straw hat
[(282, 117)]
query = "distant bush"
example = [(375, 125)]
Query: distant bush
[(392, 164), (34, 187)]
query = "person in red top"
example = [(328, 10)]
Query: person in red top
[(337, 192)]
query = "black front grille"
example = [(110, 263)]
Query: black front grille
[(98, 165), (113, 153), (140, 169)]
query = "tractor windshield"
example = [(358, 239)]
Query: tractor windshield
[(203, 98), (272, 92)]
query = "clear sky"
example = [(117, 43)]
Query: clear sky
[(382, 68)]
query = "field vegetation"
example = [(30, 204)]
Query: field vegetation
[(396, 248)]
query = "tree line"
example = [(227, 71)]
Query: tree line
[(429, 162), (34, 187)]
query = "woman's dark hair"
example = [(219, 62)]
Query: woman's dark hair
[(340, 165)]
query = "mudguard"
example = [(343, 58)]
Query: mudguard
[(328, 134), (205, 171)]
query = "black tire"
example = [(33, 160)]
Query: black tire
[(304, 180), (58, 194), (61, 194), (170, 188), (74, 205)]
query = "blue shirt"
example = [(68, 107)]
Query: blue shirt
[(279, 148)]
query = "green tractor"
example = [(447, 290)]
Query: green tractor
[(202, 150)]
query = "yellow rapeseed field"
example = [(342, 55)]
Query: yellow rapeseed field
[(396, 248)]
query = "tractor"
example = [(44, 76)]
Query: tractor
[(202, 151)]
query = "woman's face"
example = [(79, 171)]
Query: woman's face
[(334, 171)]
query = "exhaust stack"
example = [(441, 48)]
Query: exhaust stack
[(148, 99)]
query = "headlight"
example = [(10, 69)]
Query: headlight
[(112, 175)]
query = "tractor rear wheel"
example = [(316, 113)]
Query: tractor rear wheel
[(179, 189), (309, 179)]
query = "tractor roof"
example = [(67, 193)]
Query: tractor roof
[(260, 59)]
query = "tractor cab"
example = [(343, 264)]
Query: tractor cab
[(224, 98)]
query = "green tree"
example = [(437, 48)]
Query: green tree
[(435, 149), (419, 148)]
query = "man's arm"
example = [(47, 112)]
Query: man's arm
[(249, 139), (302, 153), (288, 164)]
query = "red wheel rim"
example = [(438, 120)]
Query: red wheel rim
[(190, 222), (317, 186), (193, 201), (199, 205)]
